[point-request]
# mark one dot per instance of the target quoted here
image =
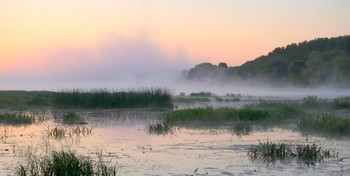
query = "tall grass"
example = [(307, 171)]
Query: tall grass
[(64, 163), (326, 122), (104, 98)]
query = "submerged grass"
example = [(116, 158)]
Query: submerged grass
[(326, 122), (16, 118), (269, 152), (64, 163), (58, 133)]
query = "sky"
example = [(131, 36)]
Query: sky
[(108, 42)]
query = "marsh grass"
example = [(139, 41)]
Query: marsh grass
[(270, 152), (24, 98), (72, 118), (159, 128), (64, 163), (326, 122), (105, 98), (242, 128), (190, 99), (211, 114), (17, 118), (201, 94)]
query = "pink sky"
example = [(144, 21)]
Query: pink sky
[(48, 37)]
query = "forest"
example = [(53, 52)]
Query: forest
[(322, 61)]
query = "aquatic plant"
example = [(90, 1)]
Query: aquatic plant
[(64, 163), (159, 129), (201, 94), (270, 152), (104, 98), (326, 122), (190, 99), (16, 118), (242, 128), (72, 118), (216, 114)]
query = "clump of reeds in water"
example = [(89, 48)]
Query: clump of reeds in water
[(326, 122), (159, 129), (69, 118), (17, 118), (64, 163), (242, 128), (216, 114), (105, 98), (269, 152), (72, 118)]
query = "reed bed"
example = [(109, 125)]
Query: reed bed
[(326, 122), (270, 152), (64, 163), (17, 118), (104, 98), (244, 114)]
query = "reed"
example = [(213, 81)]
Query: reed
[(16, 118), (326, 122)]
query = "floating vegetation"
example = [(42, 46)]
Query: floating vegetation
[(104, 98), (16, 118), (64, 163), (269, 152), (216, 114), (159, 129), (58, 133), (326, 122)]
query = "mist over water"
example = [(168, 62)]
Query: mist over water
[(134, 62)]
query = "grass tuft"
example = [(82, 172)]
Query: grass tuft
[(159, 129), (64, 163), (269, 152)]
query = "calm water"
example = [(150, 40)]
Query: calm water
[(120, 138)]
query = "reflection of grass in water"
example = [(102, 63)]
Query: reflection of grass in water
[(270, 152), (64, 163), (16, 118), (326, 122), (58, 133), (159, 129)]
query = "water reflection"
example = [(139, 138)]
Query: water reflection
[(216, 149)]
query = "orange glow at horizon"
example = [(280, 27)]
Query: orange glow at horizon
[(207, 31)]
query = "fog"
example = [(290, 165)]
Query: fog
[(133, 62)]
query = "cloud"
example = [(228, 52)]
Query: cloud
[(118, 61)]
